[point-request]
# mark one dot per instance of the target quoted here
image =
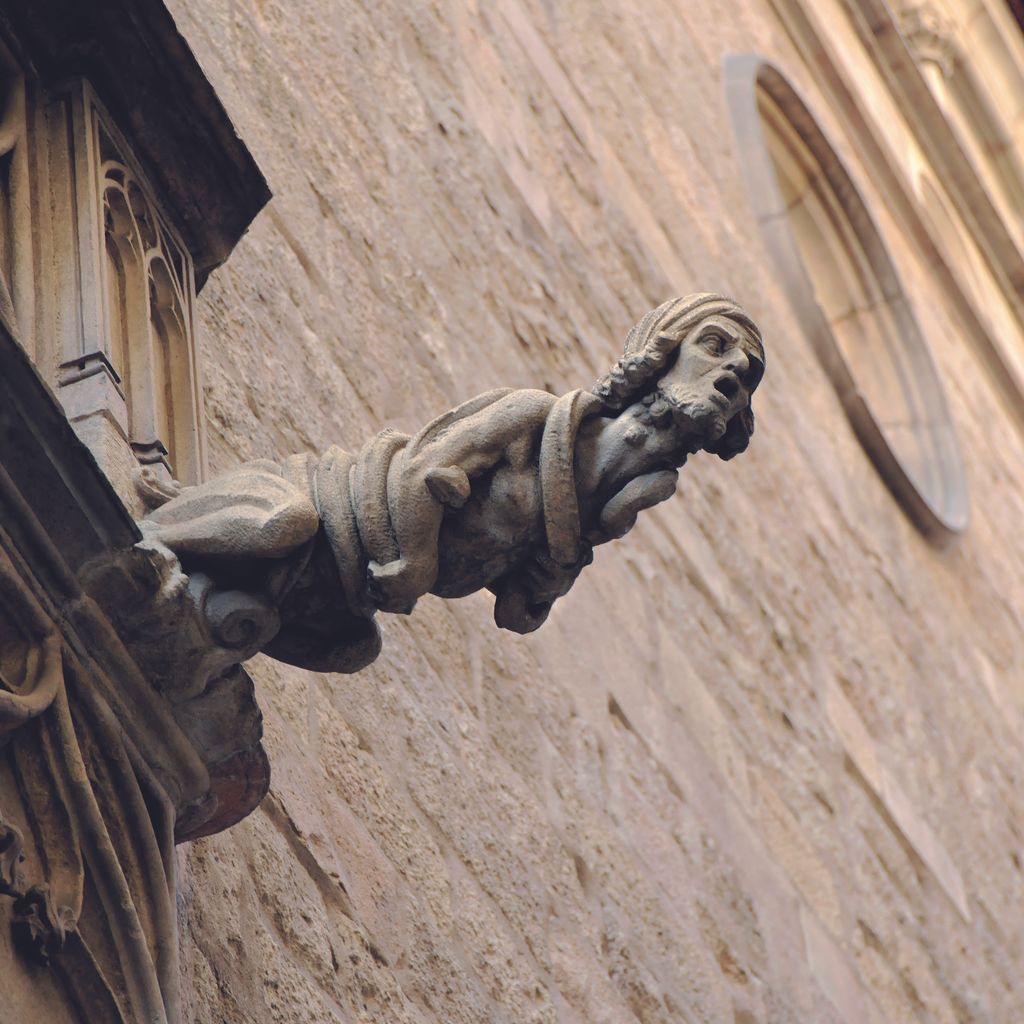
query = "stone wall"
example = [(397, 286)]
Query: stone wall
[(763, 763)]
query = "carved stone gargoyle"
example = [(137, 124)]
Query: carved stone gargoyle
[(510, 491)]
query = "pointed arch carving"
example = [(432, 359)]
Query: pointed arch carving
[(130, 363), (148, 290)]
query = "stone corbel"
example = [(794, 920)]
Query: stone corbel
[(126, 725)]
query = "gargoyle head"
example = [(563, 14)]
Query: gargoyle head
[(693, 361)]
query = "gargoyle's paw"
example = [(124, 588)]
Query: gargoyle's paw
[(449, 485), (619, 515)]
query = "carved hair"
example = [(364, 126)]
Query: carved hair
[(652, 345)]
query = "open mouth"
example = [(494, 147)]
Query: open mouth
[(727, 385)]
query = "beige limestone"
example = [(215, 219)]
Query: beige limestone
[(650, 809)]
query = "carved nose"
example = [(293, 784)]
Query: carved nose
[(738, 362)]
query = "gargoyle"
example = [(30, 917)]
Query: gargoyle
[(510, 491)]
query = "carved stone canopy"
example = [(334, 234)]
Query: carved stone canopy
[(124, 185)]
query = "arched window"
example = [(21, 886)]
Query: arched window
[(845, 290), (169, 334)]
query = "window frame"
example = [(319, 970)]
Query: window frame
[(936, 501)]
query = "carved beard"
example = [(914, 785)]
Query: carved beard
[(700, 418)]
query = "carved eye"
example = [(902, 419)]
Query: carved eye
[(716, 344)]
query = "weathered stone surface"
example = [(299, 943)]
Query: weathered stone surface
[(472, 195)]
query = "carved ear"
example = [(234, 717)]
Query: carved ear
[(736, 436)]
